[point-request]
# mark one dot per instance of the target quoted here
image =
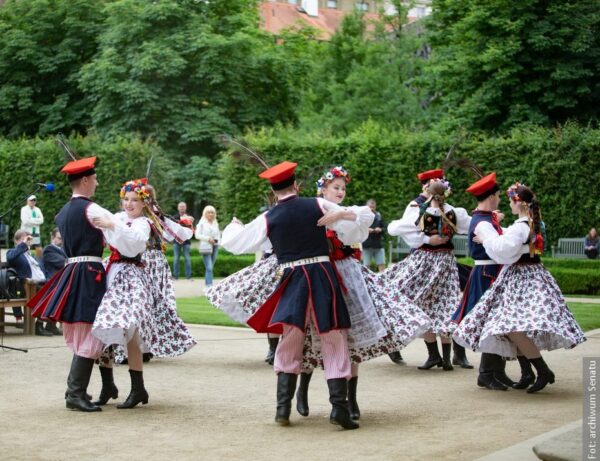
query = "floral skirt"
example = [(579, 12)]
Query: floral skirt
[(524, 298), (126, 309), (381, 322), (430, 280)]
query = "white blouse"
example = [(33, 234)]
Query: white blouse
[(508, 247), (206, 230), (414, 237), (252, 237)]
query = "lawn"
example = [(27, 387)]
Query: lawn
[(200, 311)]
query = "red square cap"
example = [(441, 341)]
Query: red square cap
[(281, 175), (484, 186), (79, 168), (431, 174)]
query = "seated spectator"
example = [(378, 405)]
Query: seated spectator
[(27, 267), (591, 244), (53, 257)]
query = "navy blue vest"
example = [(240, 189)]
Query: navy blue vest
[(293, 231), (80, 238), (481, 277)]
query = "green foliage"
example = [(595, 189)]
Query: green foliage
[(560, 164), (497, 64), (25, 162), (225, 265), (43, 45), (577, 281), (184, 72)]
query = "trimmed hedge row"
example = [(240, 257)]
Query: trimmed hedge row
[(226, 263), (562, 165), (25, 162)]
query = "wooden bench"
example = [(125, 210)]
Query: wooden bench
[(28, 321), (399, 247), (569, 248)]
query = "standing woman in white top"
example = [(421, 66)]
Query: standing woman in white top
[(209, 235), (524, 310)]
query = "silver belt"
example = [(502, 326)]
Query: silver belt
[(84, 259), (485, 262), (304, 262)]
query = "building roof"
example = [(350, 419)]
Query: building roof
[(278, 16)]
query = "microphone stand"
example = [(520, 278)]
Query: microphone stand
[(13, 206)]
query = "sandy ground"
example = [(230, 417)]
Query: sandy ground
[(218, 402)]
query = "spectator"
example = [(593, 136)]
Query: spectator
[(27, 267), (591, 244), (373, 246), (184, 220), (53, 257), (31, 220), (209, 235)]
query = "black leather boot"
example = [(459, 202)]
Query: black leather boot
[(446, 351), (40, 330), (545, 375), (302, 394), (272, 348), (138, 392), (527, 375), (486, 373), (338, 391), (396, 357), (52, 328), (460, 357), (77, 383), (147, 356), (109, 389), (500, 373), (352, 403), (434, 359), (286, 386)]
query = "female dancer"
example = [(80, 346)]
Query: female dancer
[(125, 314), (169, 337), (524, 311), (429, 275), (381, 322)]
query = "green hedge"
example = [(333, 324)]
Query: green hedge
[(226, 263), (574, 276), (562, 165), (25, 162)]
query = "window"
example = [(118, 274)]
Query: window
[(362, 6), (332, 4)]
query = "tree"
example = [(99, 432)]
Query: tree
[(366, 74), (497, 64), (43, 44), (183, 72)]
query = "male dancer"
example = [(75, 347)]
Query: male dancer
[(486, 191), (74, 293), (309, 289)]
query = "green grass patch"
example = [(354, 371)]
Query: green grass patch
[(587, 315), (200, 311)]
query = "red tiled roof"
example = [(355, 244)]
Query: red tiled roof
[(278, 16)]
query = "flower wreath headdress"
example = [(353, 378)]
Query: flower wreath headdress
[(335, 172), (512, 193), (138, 186)]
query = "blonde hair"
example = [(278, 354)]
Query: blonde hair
[(207, 209)]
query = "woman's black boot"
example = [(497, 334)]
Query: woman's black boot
[(434, 359), (138, 393), (527, 375), (109, 389), (446, 351), (544, 375), (302, 394)]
